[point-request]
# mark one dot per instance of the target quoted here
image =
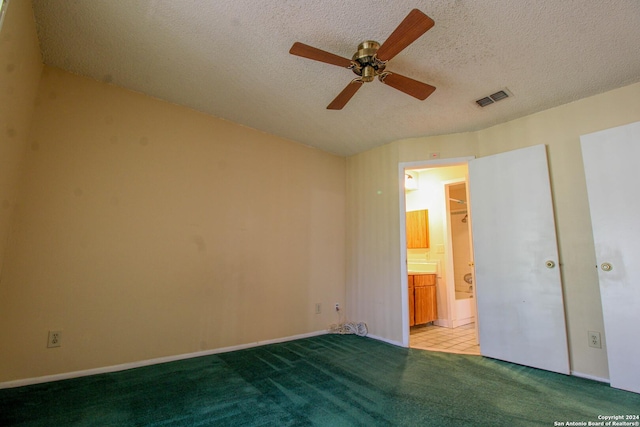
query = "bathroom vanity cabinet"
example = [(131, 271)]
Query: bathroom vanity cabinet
[(417, 223), (422, 299)]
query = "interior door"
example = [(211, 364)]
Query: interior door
[(519, 293), (611, 163)]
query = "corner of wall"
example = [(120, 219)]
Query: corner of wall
[(21, 65)]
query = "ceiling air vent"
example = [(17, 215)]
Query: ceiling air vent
[(498, 96), (485, 101), (495, 97)]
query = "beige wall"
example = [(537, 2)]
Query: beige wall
[(146, 230), (20, 66), (373, 245), (373, 273)]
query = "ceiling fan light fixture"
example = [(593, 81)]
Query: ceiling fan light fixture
[(368, 73)]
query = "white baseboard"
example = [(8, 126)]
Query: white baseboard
[(465, 321), (446, 323), (590, 377), (388, 341), (141, 363)]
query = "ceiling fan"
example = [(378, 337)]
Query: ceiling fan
[(371, 60)]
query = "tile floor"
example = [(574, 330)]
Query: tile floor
[(437, 338)]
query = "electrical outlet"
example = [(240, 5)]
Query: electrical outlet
[(337, 307), (594, 339), (55, 338), (318, 308)]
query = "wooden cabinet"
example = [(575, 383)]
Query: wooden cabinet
[(422, 299), (411, 303), (417, 229)]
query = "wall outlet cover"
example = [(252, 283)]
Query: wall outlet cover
[(55, 339), (594, 339)]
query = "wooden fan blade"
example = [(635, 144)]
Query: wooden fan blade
[(310, 52), (409, 86), (413, 26), (344, 96)]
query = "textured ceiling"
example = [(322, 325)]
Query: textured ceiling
[(229, 58)]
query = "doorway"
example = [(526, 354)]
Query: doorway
[(519, 300), (432, 187), (461, 288)]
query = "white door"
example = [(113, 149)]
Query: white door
[(611, 167), (519, 293)]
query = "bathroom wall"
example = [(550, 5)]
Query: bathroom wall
[(20, 67), (373, 225), (146, 230)]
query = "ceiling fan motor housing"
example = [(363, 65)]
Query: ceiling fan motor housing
[(366, 65)]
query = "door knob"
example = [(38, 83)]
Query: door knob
[(605, 266), (550, 264)]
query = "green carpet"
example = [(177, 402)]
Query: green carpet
[(329, 380)]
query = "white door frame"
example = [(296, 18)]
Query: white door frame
[(402, 167)]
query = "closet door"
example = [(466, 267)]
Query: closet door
[(518, 289), (611, 168)]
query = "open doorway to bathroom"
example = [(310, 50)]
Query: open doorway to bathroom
[(442, 192), (460, 255)]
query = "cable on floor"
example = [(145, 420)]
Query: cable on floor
[(359, 328)]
